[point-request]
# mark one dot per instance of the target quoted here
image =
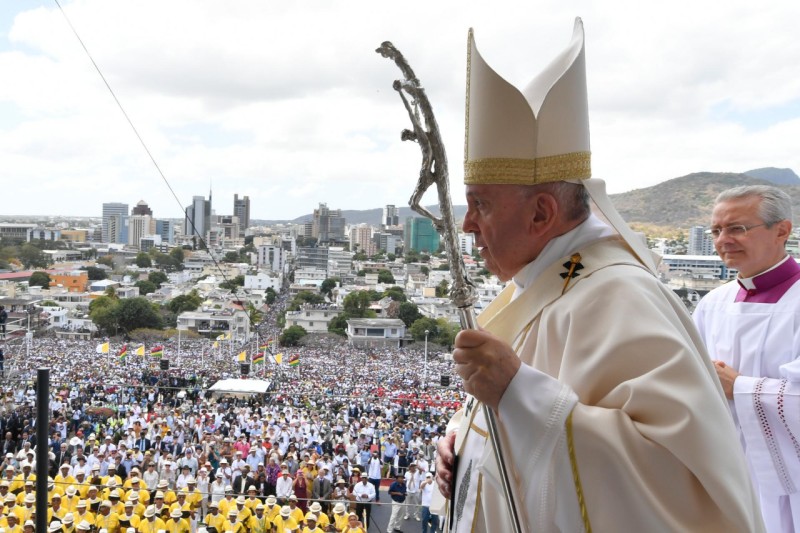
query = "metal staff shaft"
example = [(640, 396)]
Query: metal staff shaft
[(434, 171)]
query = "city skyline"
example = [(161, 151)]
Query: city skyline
[(291, 109)]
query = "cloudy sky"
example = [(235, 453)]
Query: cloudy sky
[(288, 103)]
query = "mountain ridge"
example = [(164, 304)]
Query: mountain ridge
[(679, 202)]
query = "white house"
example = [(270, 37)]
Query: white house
[(376, 332), (312, 318)]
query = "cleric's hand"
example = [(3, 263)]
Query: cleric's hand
[(486, 364), (727, 375), (445, 455)]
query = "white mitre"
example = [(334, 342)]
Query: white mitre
[(539, 134)]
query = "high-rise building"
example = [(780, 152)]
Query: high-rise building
[(166, 229), (420, 235), (272, 257), (140, 226), (241, 209), (328, 225), (142, 208), (117, 228), (361, 239), (700, 242), (111, 209), (198, 218), (391, 216)]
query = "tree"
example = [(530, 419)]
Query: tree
[(445, 333), (106, 260), (292, 335), (270, 295), (356, 305), (145, 287), (157, 277), (419, 327), (39, 279), (95, 273), (327, 286), (425, 270), (177, 254), (167, 261), (441, 289), (143, 260), (102, 312), (32, 257), (338, 325), (395, 293), (231, 257), (135, 313), (254, 314), (391, 257), (385, 276), (233, 284), (185, 302), (409, 313)]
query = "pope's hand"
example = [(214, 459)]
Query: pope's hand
[(445, 454), (486, 365)]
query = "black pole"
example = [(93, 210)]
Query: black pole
[(42, 445)]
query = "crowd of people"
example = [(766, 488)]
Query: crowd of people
[(136, 448)]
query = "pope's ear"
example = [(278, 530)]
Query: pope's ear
[(544, 212)]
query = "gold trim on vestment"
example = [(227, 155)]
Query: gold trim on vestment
[(576, 478), (479, 431), (514, 171)]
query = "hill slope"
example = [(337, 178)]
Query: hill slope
[(686, 201)]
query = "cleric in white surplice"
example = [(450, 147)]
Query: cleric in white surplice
[(611, 414), (751, 328)]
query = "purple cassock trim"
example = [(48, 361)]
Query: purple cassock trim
[(772, 285)]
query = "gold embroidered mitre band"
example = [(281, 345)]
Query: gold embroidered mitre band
[(537, 135)]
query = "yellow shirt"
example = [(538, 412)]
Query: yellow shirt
[(194, 498), (88, 516), (146, 526), (340, 521), (236, 527), (217, 521), (70, 504), (297, 515), (179, 526), (225, 505), (259, 525), (279, 522), (133, 520), (109, 522), (272, 512)]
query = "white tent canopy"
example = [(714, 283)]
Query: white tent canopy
[(240, 387)]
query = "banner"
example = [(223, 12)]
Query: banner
[(123, 353), (259, 358), (243, 356), (278, 358), (294, 359), (102, 348), (140, 350), (157, 351)]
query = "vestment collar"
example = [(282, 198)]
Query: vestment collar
[(590, 230), (770, 285)]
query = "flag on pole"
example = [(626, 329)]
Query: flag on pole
[(123, 353), (140, 350), (221, 337), (263, 347), (102, 348), (228, 336), (259, 358), (243, 356), (278, 358), (215, 345), (294, 359), (157, 351)]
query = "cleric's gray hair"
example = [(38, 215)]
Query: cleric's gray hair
[(776, 205)]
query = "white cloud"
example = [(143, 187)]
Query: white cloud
[(288, 102)]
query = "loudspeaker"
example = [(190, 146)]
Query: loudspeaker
[(244, 368), (444, 380), (163, 364)]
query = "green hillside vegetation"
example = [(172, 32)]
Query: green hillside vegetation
[(686, 201)]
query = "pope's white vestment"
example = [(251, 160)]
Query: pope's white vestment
[(762, 342), (616, 420)]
